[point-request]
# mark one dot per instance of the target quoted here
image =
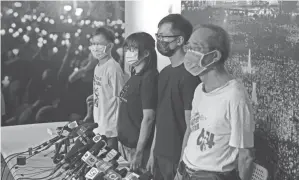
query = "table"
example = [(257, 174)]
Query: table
[(19, 138)]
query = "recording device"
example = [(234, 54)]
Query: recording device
[(131, 176), (89, 157), (112, 175), (82, 143), (112, 155), (83, 156), (146, 176), (102, 167)]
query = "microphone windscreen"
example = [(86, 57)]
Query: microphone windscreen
[(97, 147), (74, 149), (146, 176)]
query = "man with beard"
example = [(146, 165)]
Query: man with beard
[(175, 93)]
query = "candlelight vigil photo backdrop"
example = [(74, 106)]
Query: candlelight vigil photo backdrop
[(43, 45)]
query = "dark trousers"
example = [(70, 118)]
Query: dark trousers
[(164, 168), (186, 173)]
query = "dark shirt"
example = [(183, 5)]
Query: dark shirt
[(176, 88), (139, 93)]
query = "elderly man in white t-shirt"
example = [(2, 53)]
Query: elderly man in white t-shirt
[(221, 129)]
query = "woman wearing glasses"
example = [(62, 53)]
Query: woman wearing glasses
[(138, 100)]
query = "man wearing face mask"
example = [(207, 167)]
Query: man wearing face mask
[(107, 83), (222, 126), (175, 92)]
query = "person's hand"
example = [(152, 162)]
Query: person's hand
[(136, 162), (150, 164), (178, 176), (89, 102), (89, 99)]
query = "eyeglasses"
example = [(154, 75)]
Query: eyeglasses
[(161, 37), (188, 47), (96, 44), (132, 49)]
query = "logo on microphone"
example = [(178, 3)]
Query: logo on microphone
[(89, 159), (110, 155), (81, 131), (92, 173), (72, 125), (104, 166), (131, 176), (112, 175), (97, 138)]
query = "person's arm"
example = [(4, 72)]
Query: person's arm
[(149, 97), (145, 130), (89, 115), (82, 71), (242, 137), (245, 163), (65, 63), (116, 82), (187, 88), (187, 132)]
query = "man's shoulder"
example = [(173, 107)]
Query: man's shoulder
[(166, 69), (113, 66)]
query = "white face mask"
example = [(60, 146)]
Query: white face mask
[(98, 51), (194, 63), (131, 57)]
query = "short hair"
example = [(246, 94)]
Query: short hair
[(143, 41), (179, 23), (107, 32), (45, 114), (220, 40)]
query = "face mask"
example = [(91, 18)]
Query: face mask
[(164, 49), (98, 51), (131, 57), (195, 63)]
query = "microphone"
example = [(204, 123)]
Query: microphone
[(92, 173), (83, 129), (103, 153), (123, 172), (131, 176), (112, 175), (78, 149), (112, 155), (146, 176), (100, 170), (89, 157), (105, 166), (80, 143)]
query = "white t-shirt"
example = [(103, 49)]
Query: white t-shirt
[(108, 81), (221, 122)]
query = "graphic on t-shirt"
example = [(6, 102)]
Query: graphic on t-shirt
[(96, 85), (205, 139), (124, 93), (194, 123)]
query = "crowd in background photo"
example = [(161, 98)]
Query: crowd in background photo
[(44, 45), (49, 56), (265, 56)]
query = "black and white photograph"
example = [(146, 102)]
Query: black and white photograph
[(149, 90)]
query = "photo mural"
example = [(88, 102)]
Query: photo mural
[(265, 56)]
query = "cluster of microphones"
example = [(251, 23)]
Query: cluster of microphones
[(90, 158)]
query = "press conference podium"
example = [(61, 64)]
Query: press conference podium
[(19, 138)]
